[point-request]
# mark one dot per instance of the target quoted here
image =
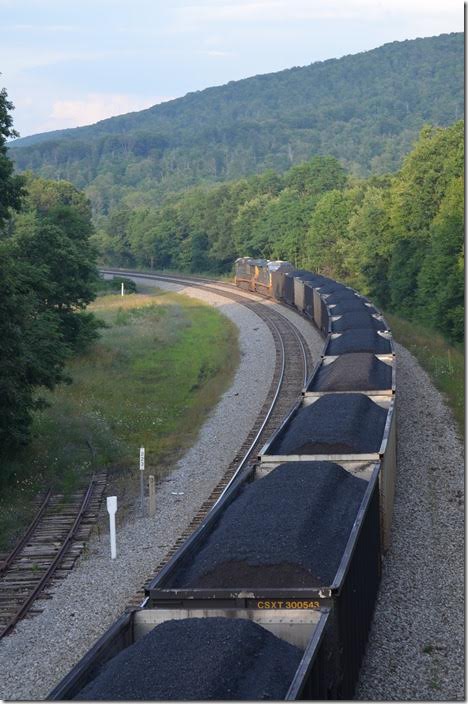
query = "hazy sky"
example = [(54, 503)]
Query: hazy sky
[(66, 63)]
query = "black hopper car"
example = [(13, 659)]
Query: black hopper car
[(272, 597)]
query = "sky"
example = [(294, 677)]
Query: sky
[(66, 63)]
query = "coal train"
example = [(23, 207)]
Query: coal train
[(272, 597)]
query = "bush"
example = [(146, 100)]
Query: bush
[(115, 284)]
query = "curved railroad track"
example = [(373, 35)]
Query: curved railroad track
[(50, 546), (292, 365), (46, 551)]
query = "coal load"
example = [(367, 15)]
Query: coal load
[(314, 279), (199, 659), (357, 320), (335, 424), (359, 341), (349, 305), (269, 537), (341, 296), (328, 287), (359, 371)]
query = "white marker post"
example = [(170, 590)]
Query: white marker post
[(112, 509), (142, 480), (122, 289)]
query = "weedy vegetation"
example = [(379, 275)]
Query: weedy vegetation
[(444, 363), (161, 364)]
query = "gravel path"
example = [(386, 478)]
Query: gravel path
[(417, 640), (416, 647), (43, 649)]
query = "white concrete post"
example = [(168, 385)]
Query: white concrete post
[(122, 289), (112, 509)]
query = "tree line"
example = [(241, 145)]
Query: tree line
[(47, 277), (398, 238), (365, 109)]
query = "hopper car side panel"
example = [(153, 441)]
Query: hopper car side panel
[(305, 630)]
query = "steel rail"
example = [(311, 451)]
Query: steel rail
[(304, 354), (52, 567), (199, 282), (245, 459), (216, 285), (24, 539), (213, 284), (256, 303)]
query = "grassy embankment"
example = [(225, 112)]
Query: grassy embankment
[(150, 381), (444, 363)]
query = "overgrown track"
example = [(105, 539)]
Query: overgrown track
[(47, 551), (291, 369)]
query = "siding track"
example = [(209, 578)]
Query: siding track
[(47, 551)]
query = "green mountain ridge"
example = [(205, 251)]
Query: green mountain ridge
[(365, 109)]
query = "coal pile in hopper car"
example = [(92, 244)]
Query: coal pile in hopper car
[(358, 371), (308, 276), (357, 320), (329, 286), (199, 659), (311, 279), (335, 424), (341, 295), (269, 537), (361, 340), (349, 304)]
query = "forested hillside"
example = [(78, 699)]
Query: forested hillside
[(365, 109), (398, 238)]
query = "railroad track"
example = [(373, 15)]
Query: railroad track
[(292, 365), (47, 551)]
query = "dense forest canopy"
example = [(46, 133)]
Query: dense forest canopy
[(366, 110), (47, 276), (398, 238)]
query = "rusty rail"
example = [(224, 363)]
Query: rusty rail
[(56, 560)]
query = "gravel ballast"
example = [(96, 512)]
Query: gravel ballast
[(336, 423), (270, 525), (199, 659), (42, 650), (417, 640), (358, 371), (359, 341), (416, 646)]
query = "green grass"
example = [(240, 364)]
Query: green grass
[(444, 363), (227, 277), (160, 366)]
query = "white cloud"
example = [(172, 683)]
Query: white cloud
[(302, 10), (95, 107), (18, 58), (214, 52), (41, 28)]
